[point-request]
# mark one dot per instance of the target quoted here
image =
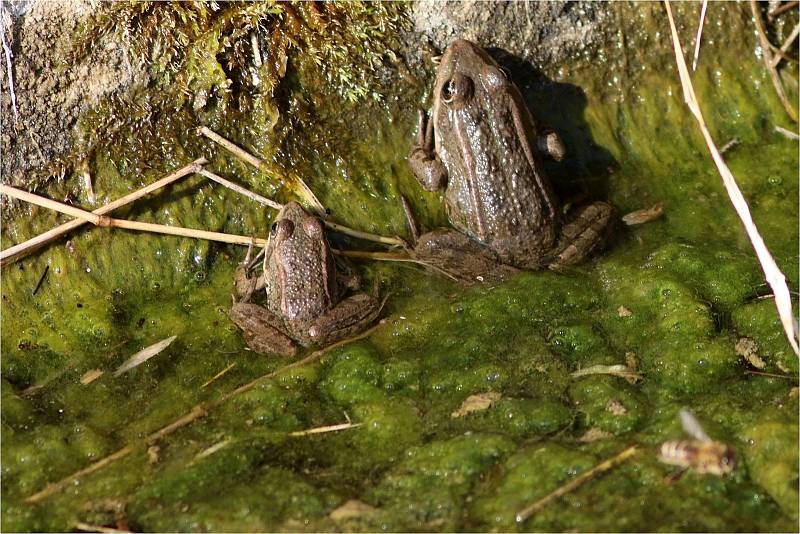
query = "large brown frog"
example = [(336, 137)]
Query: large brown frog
[(305, 296), (481, 145)]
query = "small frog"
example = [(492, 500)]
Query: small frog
[(305, 295), (481, 145)]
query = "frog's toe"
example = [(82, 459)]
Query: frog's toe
[(585, 231)]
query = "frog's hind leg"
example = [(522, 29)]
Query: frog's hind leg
[(460, 258), (262, 329), (346, 319), (424, 163), (584, 231)]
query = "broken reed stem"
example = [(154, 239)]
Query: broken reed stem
[(772, 272), (699, 35), (787, 133), (272, 204), (218, 375), (316, 205), (261, 165), (786, 44), (108, 222), (766, 52), (86, 527), (197, 412), (324, 429), (575, 483), (16, 252), (780, 10)]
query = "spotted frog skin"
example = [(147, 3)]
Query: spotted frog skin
[(305, 303), (482, 147)]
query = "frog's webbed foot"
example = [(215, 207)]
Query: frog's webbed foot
[(424, 163), (348, 318), (262, 330), (549, 143), (584, 231), (461, 258)]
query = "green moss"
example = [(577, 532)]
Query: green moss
[(771, 457), (609, 404), (759, 321)]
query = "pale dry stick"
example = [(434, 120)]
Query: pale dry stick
[(197, 412), (108, 222), (86, 527), (17, 251), (622, 371), (272, 204), (785, 46), (324, 429), (787, 133), (699, 34), (9, 66), (261, 165), (52, 204), (766, 51), (780, 10), (218, 375), (772, 272), (771, 375), (575, 483)]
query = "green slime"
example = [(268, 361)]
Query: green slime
[(690, 281)]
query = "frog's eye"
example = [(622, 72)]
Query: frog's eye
[(281, 229), (457, 90), (494, 78)]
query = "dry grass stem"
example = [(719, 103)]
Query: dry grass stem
[(394, 241), (780, 10), (22, 249), (218, 375), (143, 355), (86, 527), (729, 145), (773, 274), (324, 429), (771, 375), (51, 204), (622, 371), (196, 413), (786, 44), (575, 483), (766, 52), (9, 68), (90, 376), (787, 133), (212, 449), (241, 190), (259, 164), (699, 34)]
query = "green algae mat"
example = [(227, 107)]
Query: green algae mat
[(670, 300)]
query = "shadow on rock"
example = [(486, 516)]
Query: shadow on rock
[(560, 106)]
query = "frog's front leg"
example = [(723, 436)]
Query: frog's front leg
[(425, 164), (262, 329), (585, 230), (346, 319)]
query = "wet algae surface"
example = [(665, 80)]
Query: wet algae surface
[(669, 298)]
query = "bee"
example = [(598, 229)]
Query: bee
[(702, 454)]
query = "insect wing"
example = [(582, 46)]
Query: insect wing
[(692, 426)]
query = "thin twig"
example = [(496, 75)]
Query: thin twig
[(323, 429), (699, 34), (41, 279), (772, 272), (771, 375), (86, 527), (575, 483), (766, 52), (272, 204), (780, 10), (786, 44), (9, 68), (17, 251), (108, 222), (729, 145), (218, 375), (259, 164), (197, 412), (787, 133)]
